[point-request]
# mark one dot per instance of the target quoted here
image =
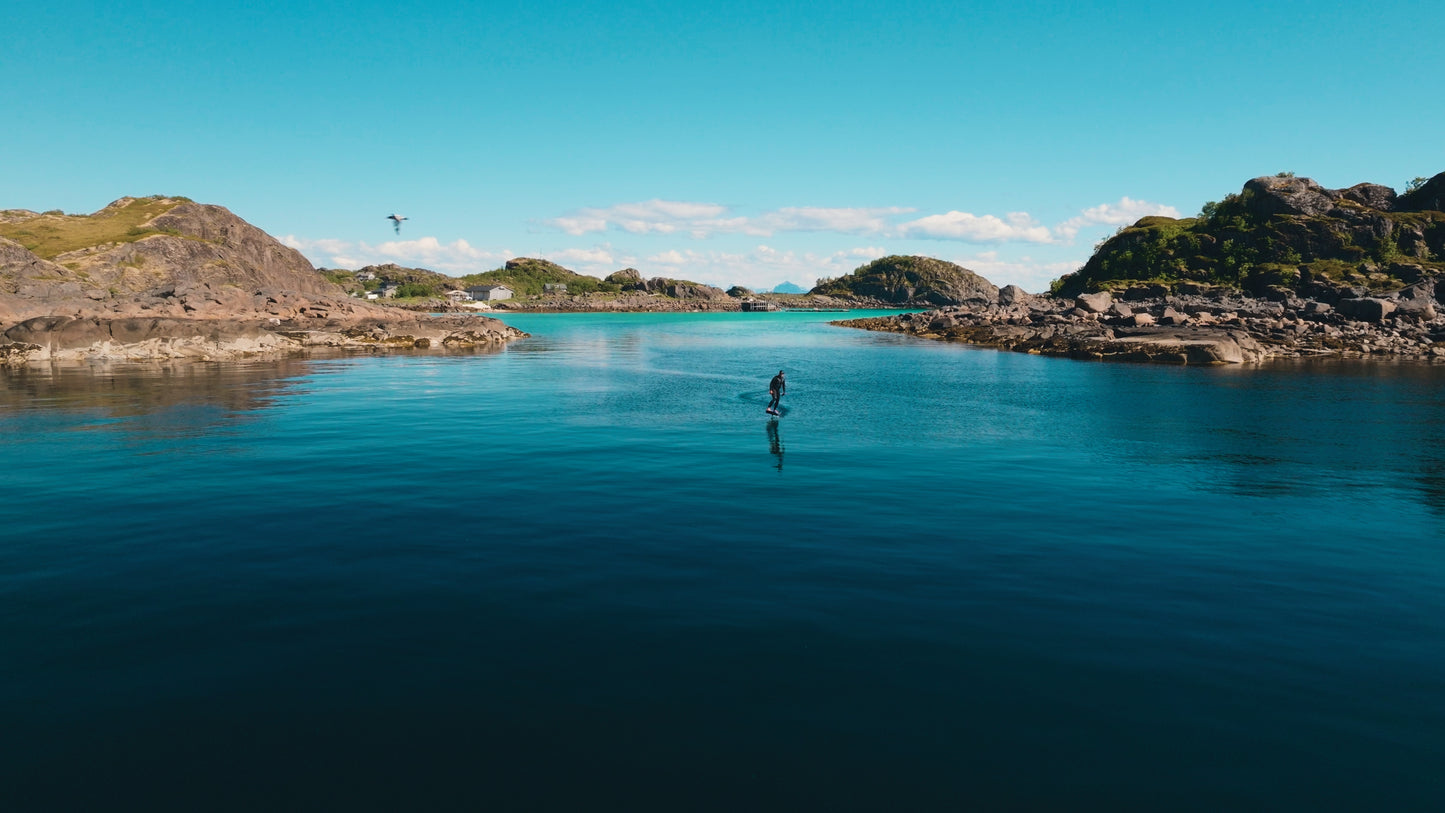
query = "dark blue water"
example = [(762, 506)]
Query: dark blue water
[(589, 573)]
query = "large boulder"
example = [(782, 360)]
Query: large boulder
[(683, 289), (1288, 195), (1366, 309), (1373, 195), (629, 278), (1095, 302), (1013, 295)]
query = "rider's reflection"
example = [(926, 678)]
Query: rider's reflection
[(775, 443)]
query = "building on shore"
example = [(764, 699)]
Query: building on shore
[(490, 293)]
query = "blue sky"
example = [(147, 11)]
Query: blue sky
[(731, 143)]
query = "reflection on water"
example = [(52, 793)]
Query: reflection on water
[(1432, 485), (388, 575), (176, 397), (775, 444), (1303, 428)]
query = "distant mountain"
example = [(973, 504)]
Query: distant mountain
[(789, 288)]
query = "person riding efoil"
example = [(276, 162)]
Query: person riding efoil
[(775, 392)]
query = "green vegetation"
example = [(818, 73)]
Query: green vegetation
[(1242, 242), (527, 277), (417, 290), (51, 235), (906, 279)]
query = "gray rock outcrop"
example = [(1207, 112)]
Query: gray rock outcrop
[(1212, 326), (190, 281)]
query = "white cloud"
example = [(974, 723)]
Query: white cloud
[(1123, 213), (669, 210), (759, 268), (429, 248), (1013, 227), (668, 258), (660, 225), (580, 255), (455, 258), (843, 221), (643, 217), (702, 220), (579, 224), (1026, 272)]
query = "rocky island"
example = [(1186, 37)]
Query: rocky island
[(1284, 268), (162, 278)]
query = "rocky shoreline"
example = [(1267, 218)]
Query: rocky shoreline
[(1284, 269), (96, 338), (212, 322), (166, 278), (1191, 325)]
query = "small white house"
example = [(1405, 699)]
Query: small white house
[(365, 276), (388, 290), (459, 296), (554, 287), (486, 293)]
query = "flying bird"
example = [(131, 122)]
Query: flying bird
[(396, 220)]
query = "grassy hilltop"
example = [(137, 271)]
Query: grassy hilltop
[(54, 233), (900, 280), (1281, 234)]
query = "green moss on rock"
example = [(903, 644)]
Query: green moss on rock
[(1279, 232)]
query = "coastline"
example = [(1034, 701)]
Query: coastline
[(1209, 327), (99, 338)]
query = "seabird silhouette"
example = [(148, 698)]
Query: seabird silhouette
[(396, 219)]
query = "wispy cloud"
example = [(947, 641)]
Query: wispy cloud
[(673, 257), (1123, 213), (704, 220), (761, 267), (843, 221), (661, 225), (1015, 227), (643, 217), (1033, 275), (456, 258), (601, 255)]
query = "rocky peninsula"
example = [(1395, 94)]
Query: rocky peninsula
[(168, 278), (1285, 268)]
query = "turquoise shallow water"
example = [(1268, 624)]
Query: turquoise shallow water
[(588, 572)]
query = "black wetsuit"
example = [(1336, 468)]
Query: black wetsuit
[(775, 389)]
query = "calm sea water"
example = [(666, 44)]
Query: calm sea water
[(588, 572)]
